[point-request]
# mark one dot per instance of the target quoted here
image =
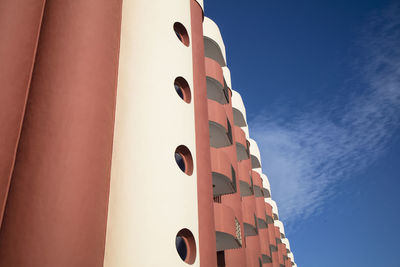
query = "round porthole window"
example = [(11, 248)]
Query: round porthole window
[(183, 159), (181, 33), (186, 246), (182, 89)]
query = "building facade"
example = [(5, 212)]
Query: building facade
[(123, 142)]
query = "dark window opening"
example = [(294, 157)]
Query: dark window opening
[(186, 246), (234, 179), (251, 185), (181, 33), (182, 89), (229, 133), (184, 160), (256, 223), (226, 92), (221, 258), (181, 247)]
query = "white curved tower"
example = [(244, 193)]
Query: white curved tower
[(151, 198)]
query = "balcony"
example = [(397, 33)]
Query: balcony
[(239, 111), (286, 242), (255, 162), (214, 70), (212, 50), (262, 223), (290, 256), (274, 208), (269, 215), (281, 228), (282, 253), (271, 235), (274, 253), (214, 46), (266, 192), (242, 147), (216, 86), (227, 227), (223, 174), (249, 217), (265, 249), (260, 213), (257, 184), (266, 259), (269, 219), (220, 127), (245, 181), (266, 186), (254, 154), (258, 191), (238, 118)]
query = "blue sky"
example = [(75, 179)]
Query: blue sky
[(321, 85)]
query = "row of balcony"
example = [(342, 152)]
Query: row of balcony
[(258, 218), (223, 174), (221, 136), (227, 226), (228, 232), (224, 177)]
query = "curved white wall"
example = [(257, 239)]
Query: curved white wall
[(151, 199), (211, 31)]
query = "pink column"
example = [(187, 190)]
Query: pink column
[(57, 206), (20, 22), (234, 257), (207, 242)]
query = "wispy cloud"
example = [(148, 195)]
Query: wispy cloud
[(307, 154)]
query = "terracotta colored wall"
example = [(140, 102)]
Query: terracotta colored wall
[(57, 205), (207, 242), (20, 22), (234, 257), (251, 200)]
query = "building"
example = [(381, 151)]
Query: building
[(125, 143)]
